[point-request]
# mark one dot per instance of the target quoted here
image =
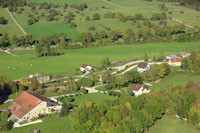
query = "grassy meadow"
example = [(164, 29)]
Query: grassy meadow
[(98, 97), (180, 78), (26, 63), (170, 124)]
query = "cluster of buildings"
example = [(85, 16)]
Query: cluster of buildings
[(175, 60), (28, 106)]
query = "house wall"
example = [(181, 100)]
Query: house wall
[(40, 109), (174, 63), (141, 91), (140, 70)]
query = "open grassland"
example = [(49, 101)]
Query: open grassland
[(26, 63), (53, 124), (127, 7), (170, 124), (180, 78)]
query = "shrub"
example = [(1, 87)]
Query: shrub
[(3, 20), (96, 16), (85, 82)]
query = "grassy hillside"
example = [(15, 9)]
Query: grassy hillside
[(10, 27), (26, 63), (127, 7)]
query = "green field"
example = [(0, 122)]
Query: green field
[(62, 125), (26, 63), (170, 124), (127, 7), (53, 124), (180, 78), (90, 97)]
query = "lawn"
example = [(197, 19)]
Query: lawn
[(170, 124), (26, 63), (63, 125), (178, 78), (97, 97), (53, 124)]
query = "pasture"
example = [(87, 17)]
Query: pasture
[(178, 78), (26, 63), (170, 124), (127, 7)]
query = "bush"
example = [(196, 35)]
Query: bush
[(96, 16), (92, 28), (73, 25), (86, 82), (3, 20)]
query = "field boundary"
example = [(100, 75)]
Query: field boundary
[(15, 21)]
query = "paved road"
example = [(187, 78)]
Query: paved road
[(81, 76), (120, 68), (93, 89), (8, 52), (132, 67), (15, 21)]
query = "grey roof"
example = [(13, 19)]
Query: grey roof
[(173, 56)]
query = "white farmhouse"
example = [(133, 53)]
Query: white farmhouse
[(143, 66), (85, 68), (28, 106), (138, 90), (41, 78)]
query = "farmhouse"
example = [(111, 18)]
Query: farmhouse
[(169, 57), (41, 78), (85, 68), (138, 90), (175, 62), (28, 106), (143, 66), (184, 55)]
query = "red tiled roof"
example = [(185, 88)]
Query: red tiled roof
[(84, 65), (142, 65), (176, 60), (182, 53), (25, 102), (136, 87)]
